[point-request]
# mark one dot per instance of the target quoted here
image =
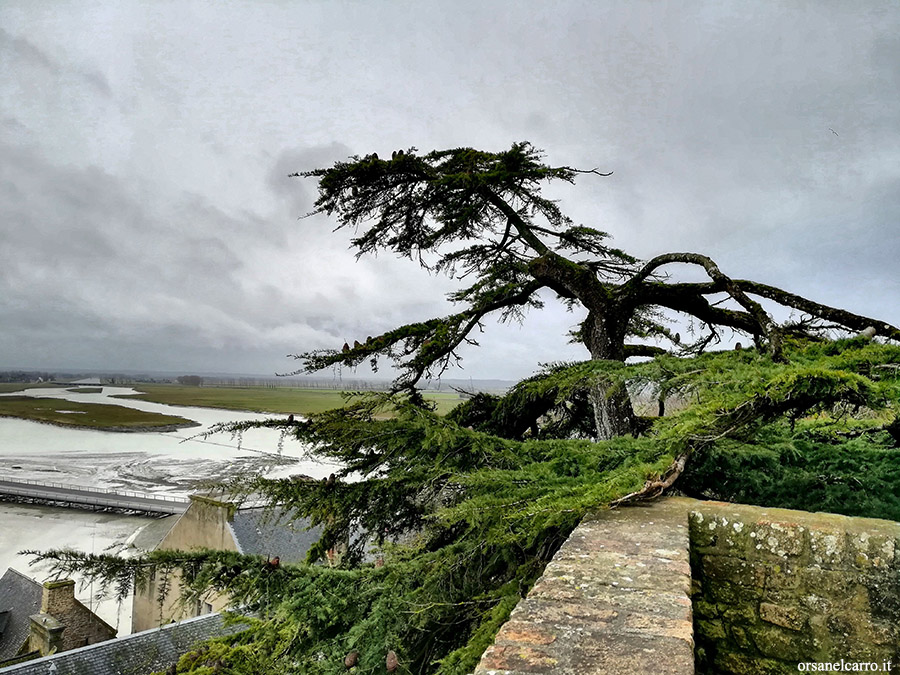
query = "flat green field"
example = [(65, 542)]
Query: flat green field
[(282, 400), (91, 415), (7, 387)]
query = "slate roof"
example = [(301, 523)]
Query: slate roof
[(20, 597), (136, 654), (265, 532)]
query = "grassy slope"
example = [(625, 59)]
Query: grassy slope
[(262, 399), (93, 415)]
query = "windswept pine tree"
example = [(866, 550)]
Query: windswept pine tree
[(467, 509)]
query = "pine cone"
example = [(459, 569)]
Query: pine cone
[(391, 662), (351, 659)]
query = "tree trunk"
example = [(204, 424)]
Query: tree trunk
[(604, 336), (613, 413)]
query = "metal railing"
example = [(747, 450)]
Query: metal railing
[(109, 491), (109, 498)]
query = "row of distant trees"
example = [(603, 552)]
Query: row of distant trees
[(305, 383), (26, 376), (190, 380)]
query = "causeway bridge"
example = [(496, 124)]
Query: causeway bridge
[(58, 494)]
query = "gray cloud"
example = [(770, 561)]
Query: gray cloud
[(147, 220), (20, 50)]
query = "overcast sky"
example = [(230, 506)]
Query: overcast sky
[(147, 220)]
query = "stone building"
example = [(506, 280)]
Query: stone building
[(214, 524), (37, 620)]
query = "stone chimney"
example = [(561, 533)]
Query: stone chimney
[(46, 634), (58, 598), (61, 611)]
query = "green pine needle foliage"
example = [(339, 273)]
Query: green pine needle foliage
[(465, 511)]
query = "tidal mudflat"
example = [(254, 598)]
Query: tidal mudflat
[(173, 463)]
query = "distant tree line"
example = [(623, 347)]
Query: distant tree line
[(190, 380), (311, 383), (26, 376)]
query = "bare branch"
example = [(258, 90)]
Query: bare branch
[(765, 323), (840, 316), (643, 350)]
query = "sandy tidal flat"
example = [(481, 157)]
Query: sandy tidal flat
[(174, 463)]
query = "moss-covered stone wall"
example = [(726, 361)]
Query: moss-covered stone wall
[(774, 588)]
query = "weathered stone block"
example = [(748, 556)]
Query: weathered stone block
[(703, 531), (884, 596), (793, 618), (727, 593), (782, 575), (710, 629), (517, 659), (742, 613), (872, 550), (840, 626), (630, 654), (740, 637), (845, 585), (720, 532), (777, 538), (705, 609), (822, 642), (652, 625), (737, 663), (815, 603), (526, 633), (778, 643), (540, 611), (827, 547), (735, 570), (878, 633)]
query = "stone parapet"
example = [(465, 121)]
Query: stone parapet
[(760, 590), (615, 599)]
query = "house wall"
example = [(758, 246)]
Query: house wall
[(203, 525)]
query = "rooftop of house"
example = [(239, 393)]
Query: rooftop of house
[(20, 597), (136, 654), (273, 532)]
